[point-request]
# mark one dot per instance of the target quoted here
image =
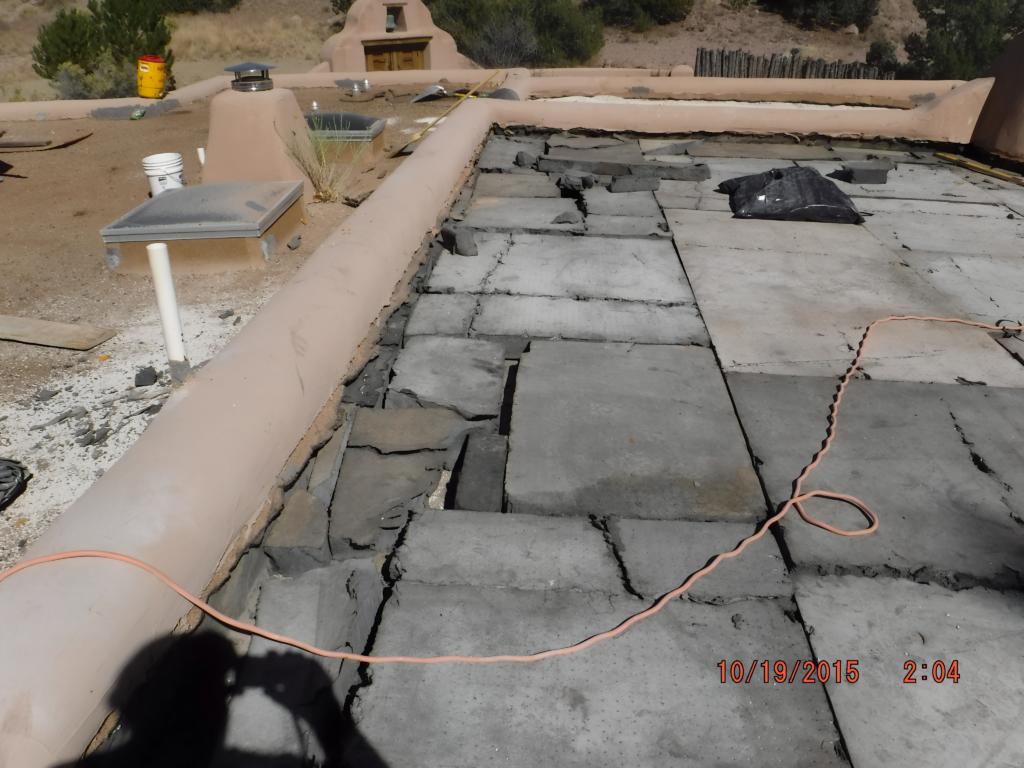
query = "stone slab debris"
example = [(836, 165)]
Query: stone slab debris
[(678, 194), (627, 226), (622, 152), (630, 269), (505, 185), (760, 151), (297, 539), (146, 377), (526, 160), (499, 153), (659, 555), (985, 289), (328, 461), (867, 171), (625, 184), (639, 202), (668, 147), (811, 312), (370, 486), (315, 608), (370, 383), (886, 623), (234, 595), (540, 317), (520, 214), (916, 454), (722, 169), (583, 142), (484, 549), (447, 314), (481, 482), (663, 674), (959, 234), (464, 374), (394, 330), (405, 430), (876, 205), (569, 217), (650, 169), (628, 430), (461, 274)]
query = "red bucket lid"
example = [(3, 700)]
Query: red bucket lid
[(154, 59)]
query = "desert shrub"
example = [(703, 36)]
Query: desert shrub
[(73, 38), (827, 13), (108, 79), (195, 6), (133, 28), (503, 33), (964, 38), (641, 14)]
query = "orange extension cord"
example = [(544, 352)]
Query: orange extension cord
[(796, 500)]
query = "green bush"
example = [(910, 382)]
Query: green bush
[(827, 13), (882, 54), (195, 6), (641, 14), (506, 33), (89, 52), (964, 38), (341, 6), (70, 38)]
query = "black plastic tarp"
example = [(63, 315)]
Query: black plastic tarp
[(790, 194)]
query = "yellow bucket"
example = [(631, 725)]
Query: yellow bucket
[(151, 77)]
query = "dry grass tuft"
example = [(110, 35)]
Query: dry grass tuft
[(238, 35), (327, 164)]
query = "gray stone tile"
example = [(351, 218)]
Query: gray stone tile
[(371, 486), (886, 623), (652, 697), (515, 185), (804, 314), (481, 481), (876, 205), (599, 201), (405, 430), (627, 226), (731, 168), (911, 182), (623, 152), (453, 547), (467, 274), (630, 269), (464, 374), (714, 202), (918, 455), (371, 382), (499, 153), (983, 288), (627, 430), (443, 314), (659, 555), (950, 234), (583, 142), (521, 214), (297, 539), (328, 461), (678, 194), (541, 317), (763, 151)]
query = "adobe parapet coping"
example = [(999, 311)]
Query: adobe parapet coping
[(179, 501)]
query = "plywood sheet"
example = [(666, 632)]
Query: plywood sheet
[(48, 334)]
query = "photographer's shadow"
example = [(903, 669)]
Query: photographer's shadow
[(179, 715)]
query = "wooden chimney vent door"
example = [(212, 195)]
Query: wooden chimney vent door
[(397, 56)]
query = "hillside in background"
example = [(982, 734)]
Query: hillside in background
[(289, 33)]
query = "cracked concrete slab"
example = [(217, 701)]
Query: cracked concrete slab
[(467, 273), (599, 201), (950, 234), (521, 214), (983, 288), (911, 182), (515, 185), (627, 226), (894, 628), (635, 431), (404, 430), (803, 314), (540, 317), (659, 555), (443, 314), (629, 269), (485, 549), (464, 374), (569, 711), (499, 153), (917, 454), (371, 486)]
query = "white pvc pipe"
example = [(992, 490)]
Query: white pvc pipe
[(166, 301)]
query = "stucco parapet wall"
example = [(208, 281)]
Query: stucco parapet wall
[(182, 495), (903, 94), (114, 109)]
